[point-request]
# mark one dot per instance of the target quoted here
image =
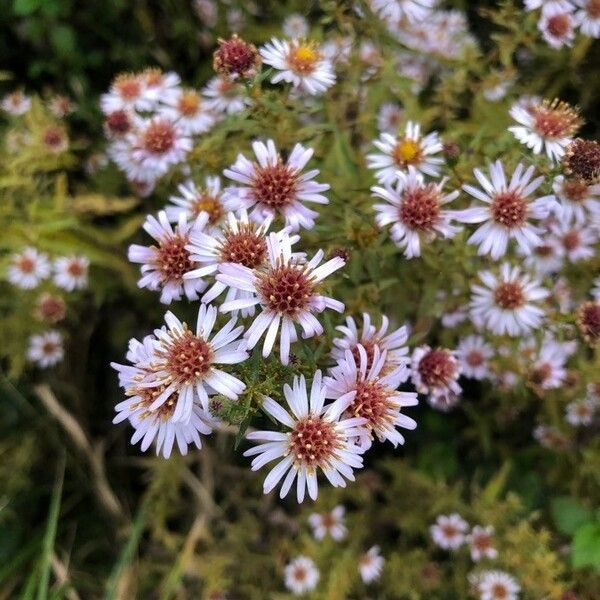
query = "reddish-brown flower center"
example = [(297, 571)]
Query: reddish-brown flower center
[(128, 87), (285, 289), (26, 264), (571, 240), (328, 520), (372, 402), (235, 57), (313, 441), (300, 574), (159, 137), (369, 346), (482, 542), (575, 190), (75, 268), (588, 319), (118, 122), (437, 368), (188, 358), (559, 25), (275, 185), (188, 103), (582, 159), (449, 530), (49, 347), (509, 209), (540, 373), (420, 207), (474, 358), (593, 9), (555, 119), (246, 247), (54, 137), (153, 77), (147, 395), (172, 258), (509, 295), (544, 251)]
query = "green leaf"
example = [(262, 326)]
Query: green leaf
[(568, 514), (586, 546), (26, 7)]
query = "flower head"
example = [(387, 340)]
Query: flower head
[(370, 565), (236, 58), (225, 96), (474, 354), (577, 198), (28, 268), (50, 308), (481, 543), (582, 160), (581, 412), (557, 25), (588, 17), (71, 272), (301, 575), (449, 531), (189, 110), (497, 585), (16, 103), (396, 10), (588, 321), (435, 371), (329, 523), (46, 349)]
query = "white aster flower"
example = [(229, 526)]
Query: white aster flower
[(28, 268), (287, 290), (545, 125), (164, 265), (389, 117), (578, 200), (543, 4), (369, 337), (317, 439), (370, 565), (187, 108), (415, 211), (547, 370), (588, 17), (329, 523), (71, 272), (372, 395), (557, 25), (295, 26), (225, 96), (158, 424), (400, 152), (125, 93), (46, 349), (184, 367), (498, 585), (159, 86), (396, 10), (301, 575), (449, 531), (16, 103), (575, 242), (581, 412), (507, 211), (435, 372), (300, 63), (271, 186), (474, 354), (481, 543), (508, 303)]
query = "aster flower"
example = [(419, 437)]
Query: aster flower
[(225, 96), (45, 349), (575, 242), (194, 200), (435, 372), (481, 543), (588, 321), (156, 424), (369, 337), (545, 126), (396, 10), (236, 58), (187, 108), (535, 4), (400, 152), (16, 103), (389, 117), (164, 265), (372, 395), (414, 208), (301, 575), (287, 289), (544, 258), (588, 17), (55, 139), (449, 531), (295, 26), (159, 86), (71, 272), (125, 93), (557, 25), (577, 199), (498, 585), (329, 523), (547, 370), (300, 63), (271, 186), (507, 211), (61, 106), (28, 268), (474, 354), (317, 439), (370, 565), (581, 412), (508, 303)]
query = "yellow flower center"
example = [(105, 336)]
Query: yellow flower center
[(302, 58), (406, 152)]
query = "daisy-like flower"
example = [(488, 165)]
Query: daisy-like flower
[(370, 565), (575, 242), (435, 371), (498, 585), (508, 210), (372, 396), (287, 290), (271, 186), (55, 139), (535, 4), (557, 26), (588, 17), (474, 354), (185, 363), (300, 63), (481, 543), (544, 258), (577, 198), (301, 575), (331, 523), (164, 265), (389, 117), (316, 439), (188, 109), (547, 370), (159, 86), (449, 531), (61, 106), (46, 349), (28, 268), (545, 125), (408, 150), (71, 272), (194, 200), (369, 337), (396, 10), (295, 26), (125, 93), (16, 103), (157, 424), (581, 412), (588, 321), (508, 303), (415, 210), (225, 96)]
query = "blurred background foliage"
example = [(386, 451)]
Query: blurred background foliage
[(82, 514)]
